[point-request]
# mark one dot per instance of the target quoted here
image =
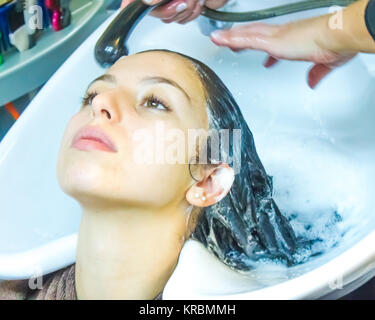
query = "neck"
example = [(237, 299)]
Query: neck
[(128, 253)]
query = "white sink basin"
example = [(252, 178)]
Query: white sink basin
[(317, 145)]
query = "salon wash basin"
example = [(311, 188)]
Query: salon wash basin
[(318, 146)]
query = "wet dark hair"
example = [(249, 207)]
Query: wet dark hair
[(246, 226)]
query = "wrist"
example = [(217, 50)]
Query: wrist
[(331, 35), (347, 31)]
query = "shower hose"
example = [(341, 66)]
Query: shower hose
[(274, 11)]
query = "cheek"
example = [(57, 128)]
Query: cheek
[(67, 159), (161, 142), (157, 184), (74, 124), (152, 170)]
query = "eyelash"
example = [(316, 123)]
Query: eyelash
[(89, 97), (156, 100)]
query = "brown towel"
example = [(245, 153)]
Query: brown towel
[(59, 285), (14, 290)]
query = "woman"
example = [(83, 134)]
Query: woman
[(138, 206)]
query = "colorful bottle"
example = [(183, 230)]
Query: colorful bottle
[(18, 30), (46, 22), (60, 13), (4, 25)]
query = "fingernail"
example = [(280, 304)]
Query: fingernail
[(202, 2), (147, 1), (181, 7)]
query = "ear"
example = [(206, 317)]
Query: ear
[(214, 186)]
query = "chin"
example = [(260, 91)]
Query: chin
[(80, 177)]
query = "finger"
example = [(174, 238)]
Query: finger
[(239, 42), (270, 61), (256, 28), (256, 36), (215, 4), (174, 18), (317, 73), (195, 13), (124, 3), (167, 20), (151, 2), (187, 11), (170, 10)]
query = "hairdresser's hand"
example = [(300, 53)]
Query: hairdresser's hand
[(181, 11), (328, 41), (301, 40)]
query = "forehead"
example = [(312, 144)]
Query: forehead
[(159, 64)]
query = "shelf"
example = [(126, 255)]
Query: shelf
[(23, 72)]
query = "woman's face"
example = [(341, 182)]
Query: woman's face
[(123, 145)]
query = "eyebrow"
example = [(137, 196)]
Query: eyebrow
[(167, 81), (104, 77)]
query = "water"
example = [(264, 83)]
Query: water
[(325, 192), (322, 175)]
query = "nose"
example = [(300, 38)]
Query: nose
[(105, 107)]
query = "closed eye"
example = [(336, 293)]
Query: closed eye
[(88, 98)]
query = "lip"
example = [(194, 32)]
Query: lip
[(93, 138)]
